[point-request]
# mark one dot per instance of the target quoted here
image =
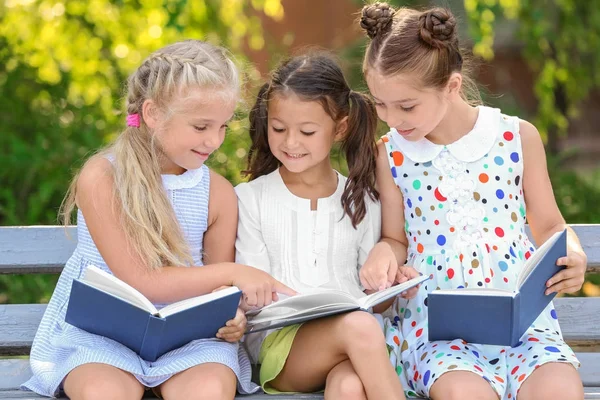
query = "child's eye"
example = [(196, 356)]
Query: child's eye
[(379, 104), (307, 133), (200, 128), (407, 109), (224, 126), (278, 130)]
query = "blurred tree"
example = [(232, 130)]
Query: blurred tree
[(561, 42), (62, 69)]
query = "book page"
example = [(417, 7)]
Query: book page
[(110, 284), (383, 295), (176, 307), (535, 258), (305, 302), (283, 314)]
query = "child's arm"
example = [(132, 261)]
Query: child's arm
[(379, 271), (96, 200), (219, 238), (543, 214)]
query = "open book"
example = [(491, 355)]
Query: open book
[(496, 316), (319, 303), (102, 304)]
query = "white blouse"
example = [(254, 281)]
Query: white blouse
[(302, 248)]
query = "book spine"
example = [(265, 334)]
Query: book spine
[(515, 325), (152, 338)]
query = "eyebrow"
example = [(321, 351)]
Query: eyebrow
[(397, 101), (301, 123), (208, 121)]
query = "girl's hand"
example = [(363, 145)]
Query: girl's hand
[(258, 288), (570, 279), (234, 328), (404, 274), (380, 269)]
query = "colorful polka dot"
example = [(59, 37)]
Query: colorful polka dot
[(514, 157), (398, 158), (438, 195), (441, 240), (508, 136)]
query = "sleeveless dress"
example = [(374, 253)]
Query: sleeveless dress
[(59, 347), (465, 223)]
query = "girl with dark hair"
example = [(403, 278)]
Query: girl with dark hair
[(455, 180), (309, 226)]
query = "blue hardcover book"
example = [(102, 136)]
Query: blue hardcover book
[(319, 303), (496, 316), (102, 304)]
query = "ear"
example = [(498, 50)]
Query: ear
[(150, 113), (341, 129), (454, 83)]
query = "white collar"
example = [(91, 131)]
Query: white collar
[(187, 180), (471, 147)]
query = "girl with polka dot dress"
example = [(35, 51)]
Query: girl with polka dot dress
[(457, 184)]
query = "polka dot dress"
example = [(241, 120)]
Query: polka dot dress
[(465, 223)]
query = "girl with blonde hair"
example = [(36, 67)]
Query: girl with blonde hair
[(151, 213)]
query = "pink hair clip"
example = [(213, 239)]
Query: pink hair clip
[(133, 120)]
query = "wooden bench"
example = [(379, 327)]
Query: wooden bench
[(45, 249)]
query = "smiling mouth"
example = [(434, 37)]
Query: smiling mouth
[(201, 154), (294, 155), (405, 131)]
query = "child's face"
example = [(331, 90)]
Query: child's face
[(196, 129), (301, 133), (413, 112)]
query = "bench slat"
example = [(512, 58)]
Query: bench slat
[(14, 372), (579, 319), (45, 249)]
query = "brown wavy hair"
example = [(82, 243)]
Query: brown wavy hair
[(317, 77)]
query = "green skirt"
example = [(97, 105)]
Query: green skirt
[(273, 354)]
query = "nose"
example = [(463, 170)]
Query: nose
[(393, 120), (213, 139), (291, 138)]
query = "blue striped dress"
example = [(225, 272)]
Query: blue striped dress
[(59, 347)]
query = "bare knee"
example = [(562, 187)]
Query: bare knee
[(98, 382), (101, 390), (344, 386), (221, 388), (552, 380), (360, 329), (462, 385), (218, 382)]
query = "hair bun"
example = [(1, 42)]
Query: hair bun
[(377, 19), (437, 27)]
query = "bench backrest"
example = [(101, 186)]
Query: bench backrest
[(45, 249)]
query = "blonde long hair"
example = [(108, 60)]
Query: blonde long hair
[(146, 213)]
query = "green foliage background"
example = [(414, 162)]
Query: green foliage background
[(63, 64)]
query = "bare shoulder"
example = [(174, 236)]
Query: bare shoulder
[(96, 176), (382, 156), (530, 136), (218, 183), (222, 197)]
